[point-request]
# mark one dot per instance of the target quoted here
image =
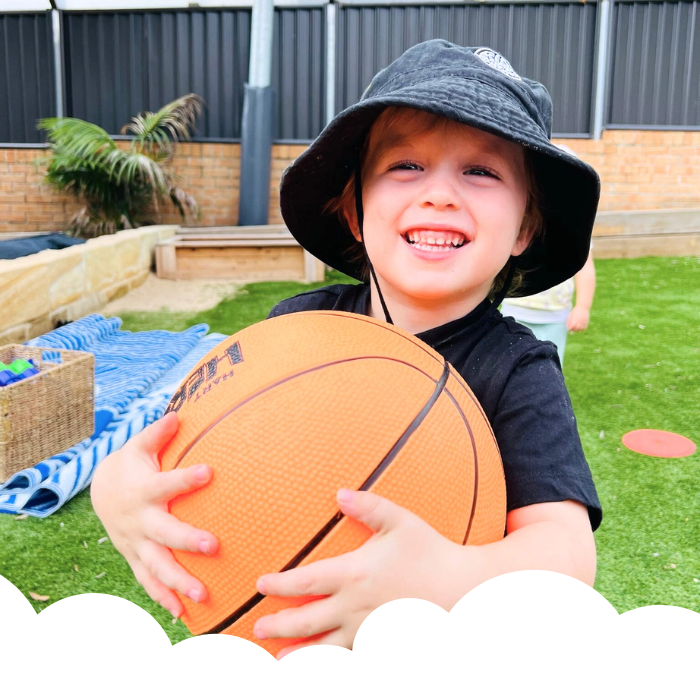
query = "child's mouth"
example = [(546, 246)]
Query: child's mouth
[(437, 241)]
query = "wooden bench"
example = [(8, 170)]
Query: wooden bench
[(237, 253), (636, 234)]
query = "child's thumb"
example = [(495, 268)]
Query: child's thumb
[(155, 437), (379, 514)]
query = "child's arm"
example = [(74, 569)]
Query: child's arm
[(130, 496), (585, 289), (406, 558)]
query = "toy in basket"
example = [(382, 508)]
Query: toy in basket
[(44, 414), (16, 371)]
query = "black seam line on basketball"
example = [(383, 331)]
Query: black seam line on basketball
[(367, 484), (287, 379), (415, 423), (414, 341), (419, 345), (476, 464), (259, 597), (475, 401)]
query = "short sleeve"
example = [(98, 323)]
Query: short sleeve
[(282, 308), (536, 432), (336, 297), (314, 300)]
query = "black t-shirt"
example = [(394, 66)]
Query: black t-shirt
[(518, 382)]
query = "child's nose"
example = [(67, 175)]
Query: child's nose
[(440, 193)]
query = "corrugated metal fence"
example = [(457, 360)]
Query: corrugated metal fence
[(551, 43), (119, 63), (26, 75), (656, 66), (299, 75)]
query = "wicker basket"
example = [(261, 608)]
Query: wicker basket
[(45, 414)]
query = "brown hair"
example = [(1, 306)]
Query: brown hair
[(422, 121)]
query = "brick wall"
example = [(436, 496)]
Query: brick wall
[(282, 156), (644, 169), (209, 172), (638, 169), (25, 203)]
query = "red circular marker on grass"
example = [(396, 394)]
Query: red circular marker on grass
[(658, 443)]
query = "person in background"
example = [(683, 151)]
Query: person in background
[(551, 315)]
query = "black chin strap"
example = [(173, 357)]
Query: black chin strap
[(360, 220)]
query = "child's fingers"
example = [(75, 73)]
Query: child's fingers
[(320, 578), (161, 564), (379, 514), (164, 528), (304, 621), (157, 591), (155, 437), (164, 486)]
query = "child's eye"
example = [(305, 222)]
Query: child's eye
[(405, 165), (480, 171)]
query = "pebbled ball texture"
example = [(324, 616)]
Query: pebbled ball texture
[(288, 411)]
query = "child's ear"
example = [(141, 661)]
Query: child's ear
[(522, 242)]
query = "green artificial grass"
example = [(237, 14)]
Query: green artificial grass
[(636, 367), (40, 556), (68, 553)]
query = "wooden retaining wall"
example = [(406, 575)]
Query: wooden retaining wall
[(636, 234)]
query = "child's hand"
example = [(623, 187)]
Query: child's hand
[(399, 561), (130, 496), (578, 319)]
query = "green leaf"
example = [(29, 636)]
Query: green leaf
[(120, 185), (173, 122)]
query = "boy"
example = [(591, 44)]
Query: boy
[(442, 184)]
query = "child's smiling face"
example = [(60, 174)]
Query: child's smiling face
[(443, 208)]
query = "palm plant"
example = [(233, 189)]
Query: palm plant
[(121, 187)]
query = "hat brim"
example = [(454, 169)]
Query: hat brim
[(569, 188)]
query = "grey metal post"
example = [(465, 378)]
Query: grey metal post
[(330, 61), (262, 26), (57, 60), (257, 122), (601, 81)]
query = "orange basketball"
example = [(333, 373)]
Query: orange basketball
[(288, 411)]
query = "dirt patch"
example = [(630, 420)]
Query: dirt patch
[(157, 294)]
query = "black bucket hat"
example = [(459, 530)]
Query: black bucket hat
[(474, 86)]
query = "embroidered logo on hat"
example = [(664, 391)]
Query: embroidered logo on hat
[(496, 61)]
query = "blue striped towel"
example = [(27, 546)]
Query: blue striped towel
[(126, 364), (135, 376)]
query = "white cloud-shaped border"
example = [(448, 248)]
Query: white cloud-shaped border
[(529, 634)]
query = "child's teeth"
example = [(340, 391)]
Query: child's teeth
[(425, 242)]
